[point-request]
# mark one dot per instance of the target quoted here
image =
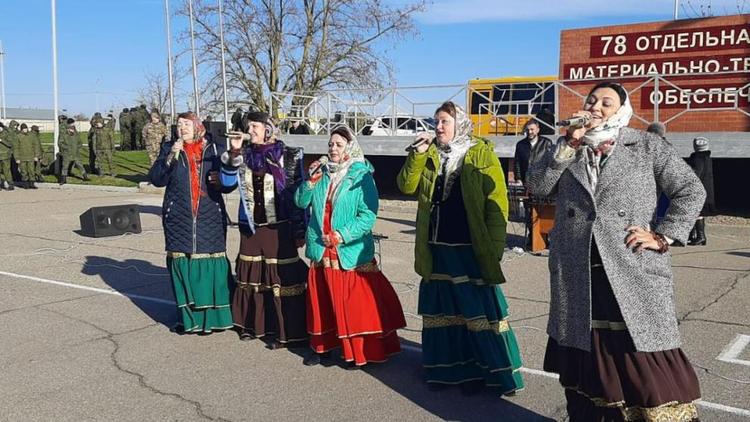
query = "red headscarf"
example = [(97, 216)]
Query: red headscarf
[(194, 152)]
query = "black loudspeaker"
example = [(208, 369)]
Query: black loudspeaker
[(110, 221), (215, 131)]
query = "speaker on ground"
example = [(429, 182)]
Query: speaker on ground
[(110, 221)]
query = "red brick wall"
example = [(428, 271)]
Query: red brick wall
[(575, 48)]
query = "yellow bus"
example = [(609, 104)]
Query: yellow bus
[(502, 106)]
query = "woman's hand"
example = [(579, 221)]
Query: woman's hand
[(314, 170), (639, 239), (331, 240), (426, 139), (237, 138), (575, 133), (178, 146)]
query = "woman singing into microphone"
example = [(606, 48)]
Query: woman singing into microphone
[(350, 303), (613, 334), (461, 221)]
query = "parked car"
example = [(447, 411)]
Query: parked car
[(405, 126)]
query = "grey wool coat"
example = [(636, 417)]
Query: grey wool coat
[(640, 166)]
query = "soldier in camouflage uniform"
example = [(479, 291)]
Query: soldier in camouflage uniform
[(39, 152), (153, 134), (142, 119), (104, 145), (25, 153), (6, 151), (126, 136), (69, 155)]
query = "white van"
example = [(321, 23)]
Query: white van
[(406, 125)]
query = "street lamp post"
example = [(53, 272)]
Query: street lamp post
[(54, 76), (195, 64), (169, 64), (2, 80)]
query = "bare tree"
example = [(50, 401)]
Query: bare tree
[(299, 46), (155, 92), (706, 8)]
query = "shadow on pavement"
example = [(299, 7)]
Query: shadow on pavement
[(132, 278), (403, 374)]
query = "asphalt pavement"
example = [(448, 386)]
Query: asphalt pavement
[(86, 330)]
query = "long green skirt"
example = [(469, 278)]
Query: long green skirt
[(465, 334), (201, 284)]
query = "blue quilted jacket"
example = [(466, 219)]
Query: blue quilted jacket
[(207, 232)]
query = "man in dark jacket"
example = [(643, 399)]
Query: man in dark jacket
[(700, 161), (529, 149)]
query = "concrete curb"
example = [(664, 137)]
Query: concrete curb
[(99, 188)]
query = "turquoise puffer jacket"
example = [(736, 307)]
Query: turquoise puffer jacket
[(355, 209)]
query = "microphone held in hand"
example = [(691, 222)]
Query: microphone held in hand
[(417, 143), (322, 162), (579, 121)]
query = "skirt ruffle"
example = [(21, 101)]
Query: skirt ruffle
[(466, 336), (357, 310), (201, 286), (271, 284), (615, 382)]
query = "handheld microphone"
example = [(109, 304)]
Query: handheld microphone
[(580, 121), (323, 161), (418, 142)]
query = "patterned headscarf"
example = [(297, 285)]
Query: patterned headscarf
[(600, 141), (452, 155), (352, 154)]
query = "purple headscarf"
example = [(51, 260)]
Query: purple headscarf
[(267, 157)]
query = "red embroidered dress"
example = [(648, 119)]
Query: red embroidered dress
[(357, 310)]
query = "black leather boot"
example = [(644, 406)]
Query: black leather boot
[(700, 233), (63, 180)]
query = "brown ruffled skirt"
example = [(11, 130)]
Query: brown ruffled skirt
[(271, 282), (613, 381)]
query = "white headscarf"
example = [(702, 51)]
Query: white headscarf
[(352, 154), (599, 141), (452, 155)]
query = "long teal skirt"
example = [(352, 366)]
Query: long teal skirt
[(465, 334), (202, 284)]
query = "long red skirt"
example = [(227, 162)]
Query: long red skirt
[(357, 310)]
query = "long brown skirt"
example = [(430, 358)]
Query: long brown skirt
[(613, 381), (271, 281)]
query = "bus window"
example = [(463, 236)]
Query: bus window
[(478, 99)]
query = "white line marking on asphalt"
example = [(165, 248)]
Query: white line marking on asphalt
[(92, 289), (730, 353), (707, 404)]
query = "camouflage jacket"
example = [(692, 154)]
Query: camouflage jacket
[(24, 148), (69, 144), (102, 139), (6, 145), (154, 133)]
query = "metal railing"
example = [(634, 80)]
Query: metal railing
[(398, 111)]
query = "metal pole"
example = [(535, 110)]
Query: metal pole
[(54, 77), (658, 97), (169, 65), (223, 65), (676, 8), (195, 64), (2, 79)]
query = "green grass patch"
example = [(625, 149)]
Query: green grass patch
[(131, 167)]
